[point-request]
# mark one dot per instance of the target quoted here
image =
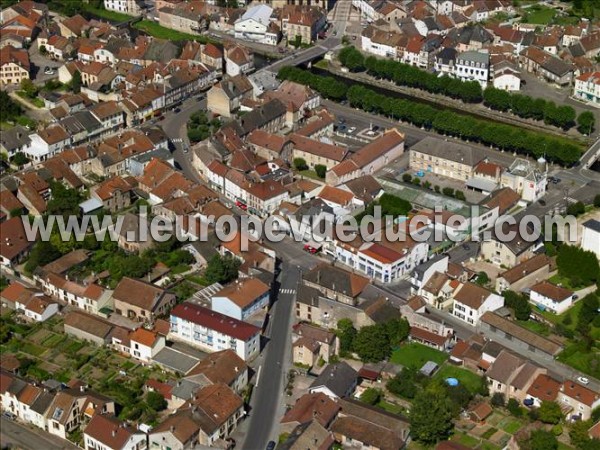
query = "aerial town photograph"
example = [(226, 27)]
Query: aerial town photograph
[(300, 224)]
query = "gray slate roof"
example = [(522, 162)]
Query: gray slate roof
[(338, 378), (451, 151)]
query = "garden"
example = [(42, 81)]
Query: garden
[(415, 355)]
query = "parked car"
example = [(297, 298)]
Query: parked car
[(241, 205), (177, 110), (271, 445), (583, 380), (49, 71), (351, 130), (9, 415)]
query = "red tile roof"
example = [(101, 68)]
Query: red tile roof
[(215, 321)]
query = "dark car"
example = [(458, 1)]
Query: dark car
[(177, 110), (542, 202), (271, 445)]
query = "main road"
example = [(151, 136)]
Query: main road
[(13, 434), (266, 405)]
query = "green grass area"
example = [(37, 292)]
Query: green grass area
[(564, 282), (108, 15), (489, 433), (511, 426), (53, 340), (560, 318), (390, 407), (416, 355), (32, 349), (34, 101), (578, 357), (154, 29), (467, 378), (539, 14), (308, 173), (197, 279), (465, 439), (537, 327)]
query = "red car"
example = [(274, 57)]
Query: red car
[(241, 205), (310, 249)]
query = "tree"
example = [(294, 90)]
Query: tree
[(448, 191), (407, 177), (43, 252), (597, 201), (460, 195), (43, 50), (404, 384), (300, 164), (586, 122), (321, 170), (431, 415), (579, 266), (370, 396), (498, 399), (222, 269), (346, 333), (519, 303), (514, 408), (20, 159), (29, 88), (541, 440), (76, 82), (576, 209), (65, 201), (394, 206), (482, 278), (156, 401), (372, 344), (579, 433), (397, 330), (550, 412)]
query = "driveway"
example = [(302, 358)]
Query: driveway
[(16, 435), (39, 63)]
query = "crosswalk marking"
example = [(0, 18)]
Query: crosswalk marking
[(287, 291)]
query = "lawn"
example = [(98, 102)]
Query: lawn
[(539, 15), (465, 439), (511, 426), (560, 318), (108, 15), (579, 358), (154, 29), (416, 355), (467, 378), (32, 349), (564, 282), (308, 173), (537, 327), (38, 102), (390, 407)]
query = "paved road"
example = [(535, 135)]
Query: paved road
[(15, 434), (267, 406)]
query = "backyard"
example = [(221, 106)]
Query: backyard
[(46, 352), (539, 15), (415, 355), (465, 377), (154, 29)]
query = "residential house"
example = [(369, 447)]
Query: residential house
[(587, 88), (14, 65), (115, 193), (309, 407), (312, 344), (225, 367), (590, 240), (14, 245), (270, 146), (145, 344), (530, 180), (548, 296), (441, 157), (265, 198), (543, 389), (359, 424), (301, 25), (335, 381), (226, 96), (255, 25), (47, 142), (213, 331), (579, 400), (133, 233), (511, 250), (551, 67), (239, 60), (471, 301), (141, 301), (523, 275), (242, 298), (129, 7), (108, 432)]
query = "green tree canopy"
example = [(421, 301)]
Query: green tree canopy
[(346, 333), (540, 440), (579, 266), (372, 343), (222, 269), (519, 303), (550, 412), (300, 164), (586, 121), (156, 401), (371, 396), (431, 415)]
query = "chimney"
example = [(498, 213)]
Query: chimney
[(172, 428), (114, 433)]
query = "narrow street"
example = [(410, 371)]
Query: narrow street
[(266, 405), (16, 435)]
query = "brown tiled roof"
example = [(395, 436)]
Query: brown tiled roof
[(138, 293), (579, 393), (13, 291), (181, 424), (544, 388), (527, 267), (220, 367), (369, 433), (244, 292), (504, 199), (472, 295), (521, 333), (504, 367), (427, 336), (314, 333), (318, 148), (336, 195), (53, 134), (14, 240), (317, 406), (9, 54), (267, 189), (110, 431), (272, 142), (219, 403), (551, 291), (8, 201), (482, 411), (143, 336), (89, 324)]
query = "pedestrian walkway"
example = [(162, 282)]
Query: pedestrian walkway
[(287, 291)]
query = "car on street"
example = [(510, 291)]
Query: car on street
[(9, 415), (177, 110), (375, 128), (351, 130), (49, 71), (466, 246), (583, 380), (271, 445), (542, 202)]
